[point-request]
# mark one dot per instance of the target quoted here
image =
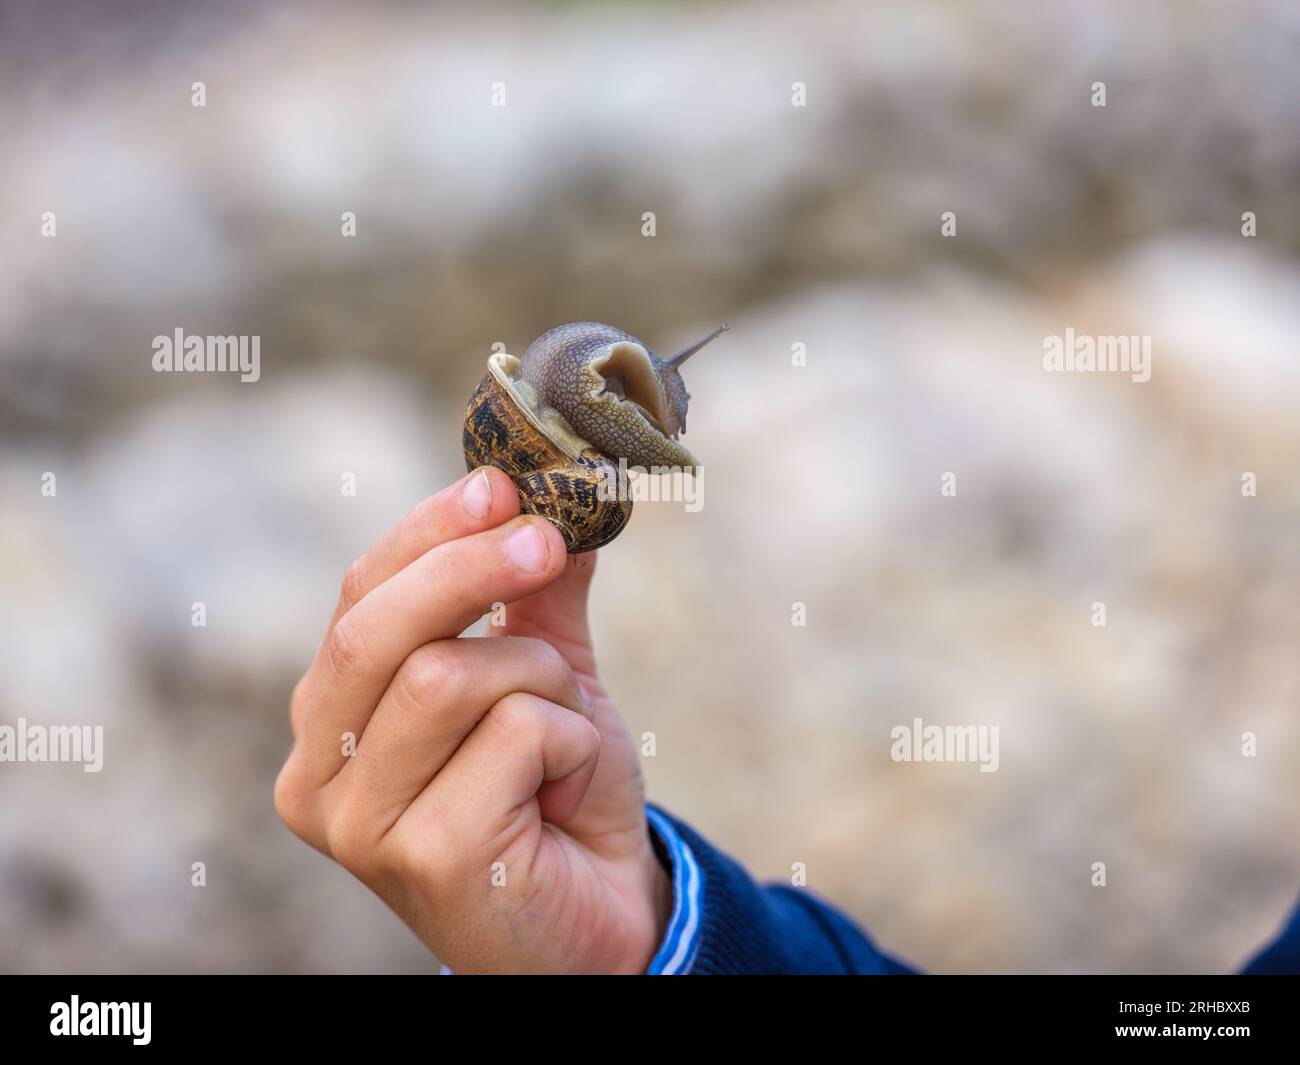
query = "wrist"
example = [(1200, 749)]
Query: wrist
[(681, 939), (652, 889), (661, 901)]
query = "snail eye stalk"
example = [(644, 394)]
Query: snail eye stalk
[(686, 353)]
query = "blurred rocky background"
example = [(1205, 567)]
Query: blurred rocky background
[(816, 225)]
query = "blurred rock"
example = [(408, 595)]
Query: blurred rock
[(814, 226)]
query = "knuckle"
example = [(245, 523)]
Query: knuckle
[(430, 673), (291, 797), (298, 704), (421, 521), (349, 839), (517, 719), (346, 650), (428, 860), (354, 584), (442, 565)]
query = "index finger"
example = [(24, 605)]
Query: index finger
[(480, 500)]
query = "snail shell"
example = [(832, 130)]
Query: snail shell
[(559, 420)]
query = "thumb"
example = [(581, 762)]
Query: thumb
[(611, 811), (558, 615)]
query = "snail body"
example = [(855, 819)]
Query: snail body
[(559, 420)]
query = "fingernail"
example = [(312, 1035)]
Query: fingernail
[(476, 496), (526, 548)]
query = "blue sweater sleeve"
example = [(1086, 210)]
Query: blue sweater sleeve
[(723, 922), (1282, 956)]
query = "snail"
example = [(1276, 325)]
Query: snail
[(559, 420)]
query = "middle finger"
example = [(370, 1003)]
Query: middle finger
[(437, 698)]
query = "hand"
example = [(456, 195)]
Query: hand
[(494, 800)]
